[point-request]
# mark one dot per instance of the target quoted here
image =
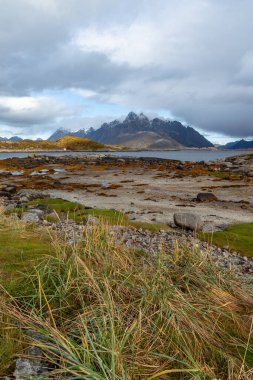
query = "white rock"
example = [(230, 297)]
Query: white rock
[(30, 217)]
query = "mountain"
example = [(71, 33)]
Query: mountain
[(165, 134), (240, 144), (14, 138), (61, 132), (139, 132)]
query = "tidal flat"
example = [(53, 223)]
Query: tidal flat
[(146, 189)]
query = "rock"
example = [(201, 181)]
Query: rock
[(43, 207), (206, 197), (228, 164), (189, 221), (26, 368), (180, 167), (105, 185), (31, 194), (133, 216), (10, 207), (46, 223), (10, 189), (245, 169), (30, 217), (5, 194), (91, 220), (37, 211), (23, 199)]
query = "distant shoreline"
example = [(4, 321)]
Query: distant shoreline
[(121, 150), (53, 150)]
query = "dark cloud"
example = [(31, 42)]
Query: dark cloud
[(193, 58)]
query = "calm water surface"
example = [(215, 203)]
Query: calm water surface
[(183, 155)]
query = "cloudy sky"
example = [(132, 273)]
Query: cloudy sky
[(76, 63)]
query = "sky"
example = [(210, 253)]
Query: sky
[(78, 63)]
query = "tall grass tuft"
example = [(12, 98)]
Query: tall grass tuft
[(101, 311)]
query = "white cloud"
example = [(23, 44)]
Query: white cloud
[(162, 38), (192, 58), (30, 110)]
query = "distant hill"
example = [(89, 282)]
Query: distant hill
[(240, 144), (69, 143), (14, 138), (61, 132), (139, 132), (78, 143)]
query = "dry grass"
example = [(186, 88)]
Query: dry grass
[(101, 311)]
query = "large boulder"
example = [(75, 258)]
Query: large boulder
[(206, 197), (188, 221), (37, 211), (30, 217)]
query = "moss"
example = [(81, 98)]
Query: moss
[(239, 237)]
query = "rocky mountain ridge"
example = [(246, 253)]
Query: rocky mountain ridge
[(139, 132), (239, 144), (13, 138)]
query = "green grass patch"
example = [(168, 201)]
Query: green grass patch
[(58, 204), (225, 175), (238, 237), (10, 345), (16, 210), (79, 213), (20, 249), (109, 216)]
